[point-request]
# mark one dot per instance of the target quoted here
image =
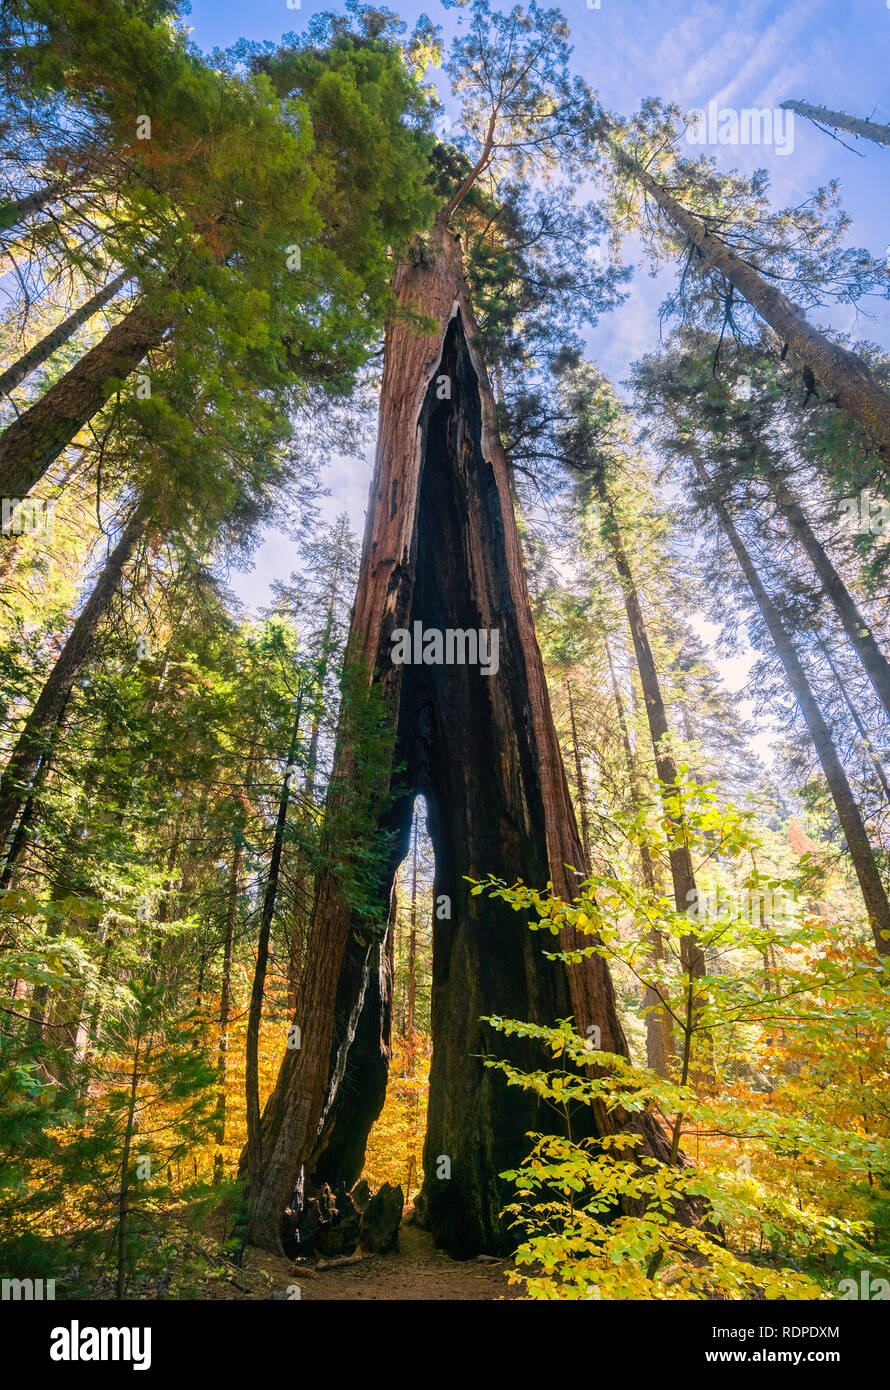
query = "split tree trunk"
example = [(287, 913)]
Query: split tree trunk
[(359, 1071), (441, 548)]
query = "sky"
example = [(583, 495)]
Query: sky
[(747, 54)]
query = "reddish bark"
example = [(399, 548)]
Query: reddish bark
[(441, 547)]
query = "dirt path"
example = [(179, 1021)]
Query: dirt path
[(418, 1271)]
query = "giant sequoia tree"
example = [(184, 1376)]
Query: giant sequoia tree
[(441, 551)]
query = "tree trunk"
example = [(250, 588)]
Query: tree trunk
[(580, 786), (18, 210), (33, 741), (846, 375), (659, 1034), (124, 1201), (682, 873), (854, 715), (852, 621), (251, 1066), (441, 548), (19, 841), (359, 1070), (853, 125), (32, 443), (40, 352), (297, 941), (225, 1006), (11, 547), (873, 891), (412, 952)]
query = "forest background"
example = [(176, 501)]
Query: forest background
[(198, 854)]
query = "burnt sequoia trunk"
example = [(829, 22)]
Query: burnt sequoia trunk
[(441, 549)]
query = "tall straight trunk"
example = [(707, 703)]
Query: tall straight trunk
[(659, 1034), (124, 1199), (225, 1006), (19, 841), (33, 442), (17, 210), (324, 661), (441, 548), (251, 1066), (94, 1019), (682, 873), (853, 125), (580, 786), (846, 375), (854, 715), (873, 891), (40, 352), (412, 951), (35, 737), (65, 1026), (858, 632), (12, 544)]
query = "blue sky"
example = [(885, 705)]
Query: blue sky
[(756, 53)]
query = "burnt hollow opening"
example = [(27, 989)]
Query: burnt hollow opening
[(395, 1144)]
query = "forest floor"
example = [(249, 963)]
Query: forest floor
[(416, 1271)]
